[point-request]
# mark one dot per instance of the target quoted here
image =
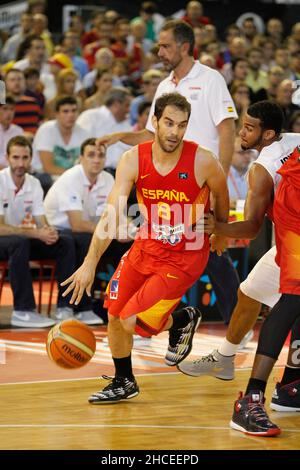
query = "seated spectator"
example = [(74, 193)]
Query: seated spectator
[(284, 99), (236, 180), (34, 87), (76, 201), (143, 113), (40, 28), (283, 58), (111, 117), (104, 59), (240, 69), (28, 113), (103, 84), (194, 14), (57, 142), (240, 93), (256, 78), (26, 235), (275, 30), (32, 53), (7, 129), (66, 85), (208, 59), (11, 46), (57, 63), (138, 31), (70, 44), (154, 20), (150, 81), (294, 124)]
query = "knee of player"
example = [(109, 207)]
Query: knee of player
[(128, 324)]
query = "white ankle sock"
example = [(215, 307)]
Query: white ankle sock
[(227, 348)]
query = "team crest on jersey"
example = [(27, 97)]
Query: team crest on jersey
[(168, 234), (114, 289), (183, 176)]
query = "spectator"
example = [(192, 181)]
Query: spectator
[(256, 78), (269, 49), (58, 62), (283, 58), (153, 20), (77, 26), (34, 87), (104, 59), (25, 234), (57, 143), (103, 84), (240, 93), (284, 99), (194, 14), (105, 39), (249, 30), (143, 114), (66, 85), (39, 27), (138, 31), (208, 60), (111, 117), (10, 49), (236, 181), (32, 53), (275, 30), (8, 130), (151, 80), (294, 125), (70, 44), (28, 113), (36, 6)]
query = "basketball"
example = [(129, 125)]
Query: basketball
[(71, 344)]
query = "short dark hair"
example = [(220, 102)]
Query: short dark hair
[(64, 99), (31, 72), (269, 113), (142, 107), (236, 60), (171, 99), (86, 142), (118, 94), (182, 32), (19, 141)]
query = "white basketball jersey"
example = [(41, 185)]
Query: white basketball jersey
[(273, 156)]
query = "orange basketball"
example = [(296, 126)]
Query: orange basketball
[(71, 344)]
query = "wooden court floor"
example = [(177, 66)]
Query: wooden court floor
[(45, 407)]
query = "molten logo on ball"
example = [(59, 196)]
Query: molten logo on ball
[(71, 344)]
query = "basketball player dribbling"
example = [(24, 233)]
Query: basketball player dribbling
[(174, 179)]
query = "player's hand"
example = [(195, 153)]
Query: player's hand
[(218, 244), (108, 139), (209, 223), (80, 281)]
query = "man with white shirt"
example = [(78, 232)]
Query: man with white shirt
[(25, 234), (74, 204), (57, 143), (7, 129), (112, 117), (211, 125)]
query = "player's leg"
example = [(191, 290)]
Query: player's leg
[(261, 286), (286, 396), (124, 283), (249, 413)]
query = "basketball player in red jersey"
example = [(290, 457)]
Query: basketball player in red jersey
[(173, 179)]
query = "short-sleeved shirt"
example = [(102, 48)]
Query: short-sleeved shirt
[(16, 205), (49, 139), (206, 91), (72, 191), (100, 121)]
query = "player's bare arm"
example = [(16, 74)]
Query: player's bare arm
[(83, 278), (129, 138), (209, 171), (258, 199)]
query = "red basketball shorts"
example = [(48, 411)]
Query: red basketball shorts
[(150, 285)]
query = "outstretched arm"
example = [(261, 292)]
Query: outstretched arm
[(129, 138), (106, 228)]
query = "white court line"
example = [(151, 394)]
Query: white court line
[(150, 374), (122, 426)]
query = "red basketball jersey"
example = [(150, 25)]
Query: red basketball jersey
[(171, 204)]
